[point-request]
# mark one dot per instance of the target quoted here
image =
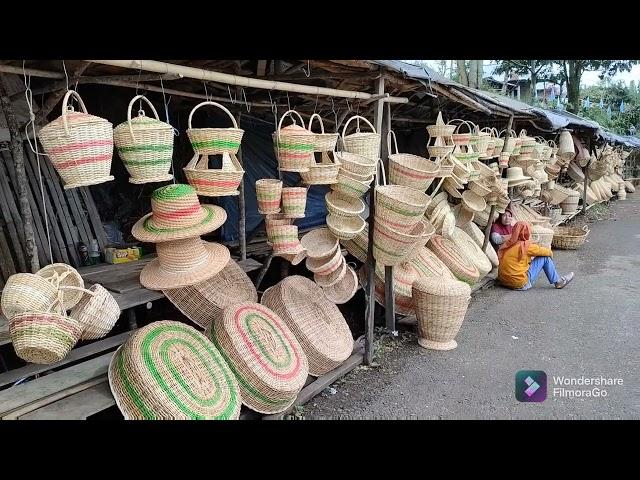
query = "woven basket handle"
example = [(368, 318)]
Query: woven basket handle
[(67, 108), (291, 113), (461, 123), (221, 107), (79, 289), (140, 112), (586, 230), (358, 118), (319, 120), (390, 134), (488, 130), (523, 133)]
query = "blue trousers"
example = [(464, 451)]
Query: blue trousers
[(537, 265)]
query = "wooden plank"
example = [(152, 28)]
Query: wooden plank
[(78, 406), (123, 285), (79, 216), (40, 235), (136, 297), (76, 354), (319, 384), (12, 219), (94, 218), (49, 388), (62, 233)]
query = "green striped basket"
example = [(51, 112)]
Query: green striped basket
[(214, 141)]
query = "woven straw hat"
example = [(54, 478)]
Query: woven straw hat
[(177, 214), (267, 360), (181, 263), (315, 321), (204, 302), (170, 371), (440, 307), (516, 177)]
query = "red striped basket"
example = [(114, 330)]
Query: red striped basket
[(79, 145), (294, 201), (293, 145)]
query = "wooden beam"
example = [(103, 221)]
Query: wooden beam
[(30, 71), (23, 185), (262, 68), (55, 97)]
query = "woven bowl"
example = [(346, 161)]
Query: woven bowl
[(345, 228), (344, 290), (319, 243), (341, 205)]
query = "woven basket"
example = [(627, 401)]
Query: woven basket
[(461, 138), (169, 371), (345, 228), (404, 275), (569, 238), (293, 145), (472, 251), (400, 206), (542, 236), (340, 205), (61, 274), (570, 204), (323, 173), (264, 355), (403, 305), (26, 292), (205, 301), (319, 243), (269, 195), (214, 182), (79, 145), (276, 219), (327, 264), (454, 258), (349, 187), (316, 322), (390, 246), (357, 164), (366, 179), (214, 141), (97, 312), (440, 147), (294, 201), (145, 145), (440, 308), (358, 246), (477, 236), (330, 279), (43, 338), (366, 144), (323, 142), (410, 170), (566, 148), (479, 189), (344, 290), (284, 238)]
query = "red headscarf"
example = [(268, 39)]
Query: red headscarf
[(521, 236)]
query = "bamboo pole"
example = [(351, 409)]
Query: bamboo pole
[(236, 80), (389, 292), (242, 215), (21, 177)]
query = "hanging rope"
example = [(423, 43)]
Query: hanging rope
[(32, 121), (166, 116)]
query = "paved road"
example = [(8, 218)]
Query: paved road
[(591, 329)]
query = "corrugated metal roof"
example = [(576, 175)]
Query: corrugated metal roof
[(414, 71)]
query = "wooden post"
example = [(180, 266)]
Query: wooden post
[(242, 214), (21, 177), (586, 179), (371, 262), (389, 293)]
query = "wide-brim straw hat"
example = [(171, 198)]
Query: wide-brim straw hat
[(263, 354), (177, 214), (516, 177), (203, 302), (169, 371), (181, 263)]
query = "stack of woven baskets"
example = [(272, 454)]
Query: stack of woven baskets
[(36, 306), (324, 172)]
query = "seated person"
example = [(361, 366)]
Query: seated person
[(522, 261), (502, 228)]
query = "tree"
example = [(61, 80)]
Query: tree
[(612, 94), (537, 70), (471, 77), (572, 70)]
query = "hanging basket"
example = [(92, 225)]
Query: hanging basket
[(440, 129), (399, 206), (294, 201), (268, 194), (63, 275), (293, 145), (340, 205), (350, 187), (323, 142), (566, 148), (390, 246), (319, 243), (327, 264), (323, 173), (459, 137), (366, 144), (409, 170), (79, 145), (344, 290), (214, 182), (145, 145), (97, 312), (345, 228), (214, 141), (358, 164)]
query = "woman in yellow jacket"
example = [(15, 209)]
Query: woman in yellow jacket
[(522, 261)]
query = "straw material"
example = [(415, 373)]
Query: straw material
[(542, 236), (319, 243), (97, 312), (399, 206), (215, 182), (26, 292), (181, 263), (294, 201), (440, 308), (323, 173), (569, 238), (177, 214), (350, 187), (391, 246), (170, 371), (264, 355), (323, 142), (293, 145), (327, 264), (284, 238), (345, 228), (340, 205), (344, 290), (477, 236), (473, 201), (403, 305), (412, 171), (79, 145), (366, 144), (566, 148), (454, 258), (330, 279), (293, 258), (427, 264), (463, 215), (276, 219), (63, 275), (315, 321), (403, 277), (43, 338), (212, 141), (358, 246), (268, 194), (357, 164), (473, 252), (145, 145), (205, 301)]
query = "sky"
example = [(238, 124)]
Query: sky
[(588, 78)]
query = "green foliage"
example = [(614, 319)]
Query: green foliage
[(613, 94)]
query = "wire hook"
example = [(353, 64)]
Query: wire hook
[(307, 72)]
